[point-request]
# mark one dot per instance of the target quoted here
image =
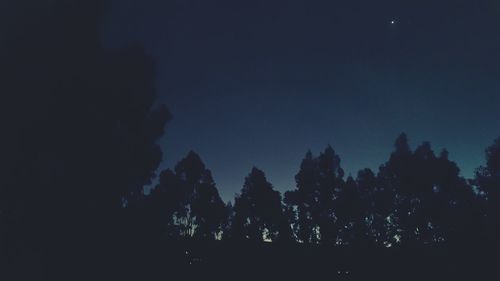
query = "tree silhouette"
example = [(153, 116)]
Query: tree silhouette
[(258, 211), (395, 179), (82, 122), (349, 213), (420, 196), (194, 207), (493, 158), (432, 203), (165, 200), (303, 202), (80, 125), (92, 113), (457, 208), (319, 183), (488, 180), (227, 224), (329, 189), (372, 211)]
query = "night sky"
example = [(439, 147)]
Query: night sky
[(261, 82)]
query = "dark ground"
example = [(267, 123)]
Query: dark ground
[(195, 260)]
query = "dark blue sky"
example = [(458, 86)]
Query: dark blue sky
[(261, 82)]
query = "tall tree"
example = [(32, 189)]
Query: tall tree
[(329, 188), (372, 211), (456, 209), (199, 211), (319, 183), (488, 180), (430, 197), (349, 213), (165, 202), (303, 202), (395, 178), (81, 120), (258, 213)]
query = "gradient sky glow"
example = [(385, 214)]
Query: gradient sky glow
[(261, 82)]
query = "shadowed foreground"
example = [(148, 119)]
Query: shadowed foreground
[(83, 197), (296, 261), (190, 260)]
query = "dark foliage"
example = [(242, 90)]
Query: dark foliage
[(258, 213), (187, 202), (80, 127)]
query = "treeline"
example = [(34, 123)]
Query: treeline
[(80, 133), (415, 198)]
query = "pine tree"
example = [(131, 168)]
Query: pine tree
[(258, 213)]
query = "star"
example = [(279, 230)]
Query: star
[(393, 21)]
